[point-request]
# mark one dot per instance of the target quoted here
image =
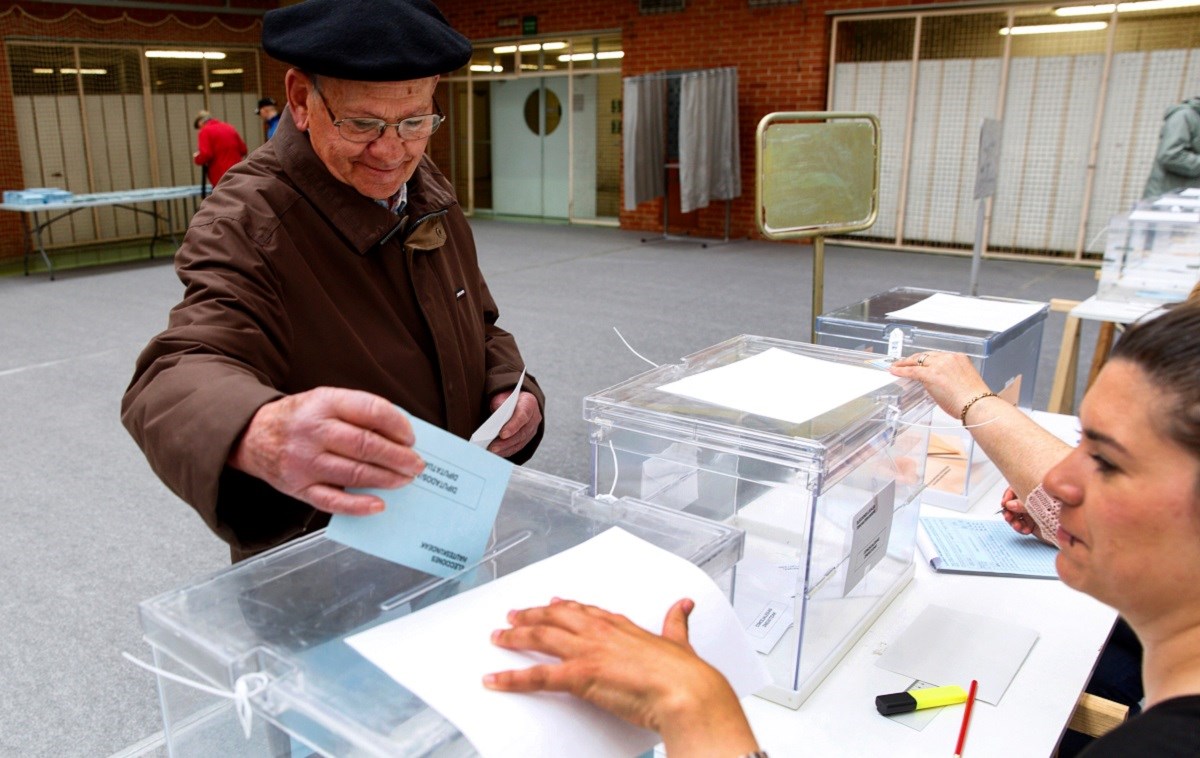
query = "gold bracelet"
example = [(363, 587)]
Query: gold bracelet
[(963, 415)]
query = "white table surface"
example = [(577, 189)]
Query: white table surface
[(119, 197), (1095, 309), (839, 718)]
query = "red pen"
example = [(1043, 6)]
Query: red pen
[(962, 730)]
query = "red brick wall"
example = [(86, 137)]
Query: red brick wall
[(781, 53)]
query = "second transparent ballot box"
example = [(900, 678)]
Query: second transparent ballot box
[(275, 625), (1150, 258), (829, 503), (1007, 358)]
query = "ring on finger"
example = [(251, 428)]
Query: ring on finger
[(921, 359)]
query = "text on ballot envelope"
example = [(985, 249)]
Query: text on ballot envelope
[(441, 522)]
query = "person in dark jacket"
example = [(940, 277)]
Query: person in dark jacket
[(1177, 161), (333, 278), (269, 113), (219, 146)]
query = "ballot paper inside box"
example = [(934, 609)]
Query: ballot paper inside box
[(277, 624), (829, 503), (1004, 348)]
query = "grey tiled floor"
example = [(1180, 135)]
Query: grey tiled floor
[(89, 531)]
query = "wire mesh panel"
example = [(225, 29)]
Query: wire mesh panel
[(872, 73), (958, 85), (1054, 83), (103, 118), (1106, 82), (115, 118), (1156, 64)]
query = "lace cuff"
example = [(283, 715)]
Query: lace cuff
[(1044, 510)]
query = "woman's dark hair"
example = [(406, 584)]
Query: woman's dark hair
[(1167, 348)]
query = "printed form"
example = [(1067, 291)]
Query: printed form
[(441, 522)]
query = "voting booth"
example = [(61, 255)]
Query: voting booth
[(274, 627), (1002, 336), (817, 453)]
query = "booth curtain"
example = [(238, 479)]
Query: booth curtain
[(644, 131), (710, 166)]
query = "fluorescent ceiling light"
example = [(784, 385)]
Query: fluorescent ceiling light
[(486, 69), (1079, 26), (226, 71), (610, 55), (1138, 5), (186, 54), (529, 47), (72, 71)]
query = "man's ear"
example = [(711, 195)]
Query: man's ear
[(299, 89)]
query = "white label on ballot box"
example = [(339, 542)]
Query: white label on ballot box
[(869, 533), (765, 596)]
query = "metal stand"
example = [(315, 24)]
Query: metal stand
[(666, 235)]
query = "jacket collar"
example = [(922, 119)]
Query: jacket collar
[(359, 219)]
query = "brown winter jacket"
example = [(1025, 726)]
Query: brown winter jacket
[(293, 281)]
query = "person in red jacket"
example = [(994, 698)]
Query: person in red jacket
[(220, 146)]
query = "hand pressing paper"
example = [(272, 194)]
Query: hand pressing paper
[(441, 653)]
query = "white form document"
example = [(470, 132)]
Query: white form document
[(488, 430), (967, 312), (984, 546), (441, 653), (945, 647), (782, 385)]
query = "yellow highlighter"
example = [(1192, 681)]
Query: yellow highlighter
[(913, 700)]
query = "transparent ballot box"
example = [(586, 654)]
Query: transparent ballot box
[(829, 502), (1007, 359), (276, 624), (1150, 258)]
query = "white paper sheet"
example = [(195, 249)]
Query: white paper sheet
[(945, 646), (967, 312), (782, 385), (442, 652), (490, 429)]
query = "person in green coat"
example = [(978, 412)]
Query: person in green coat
[(1177, 162)]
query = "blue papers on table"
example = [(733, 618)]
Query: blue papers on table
[(984, 546), (441, 653), (441, 522), (778, 384)]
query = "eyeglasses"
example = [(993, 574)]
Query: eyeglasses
[(364, 130)]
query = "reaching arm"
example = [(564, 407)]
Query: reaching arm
[(1023, 451)]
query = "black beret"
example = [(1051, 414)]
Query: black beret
[(365, 40)]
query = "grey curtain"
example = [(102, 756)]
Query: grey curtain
[(644, 131), (710, 165)]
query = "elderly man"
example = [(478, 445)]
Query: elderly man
[(333, 278)]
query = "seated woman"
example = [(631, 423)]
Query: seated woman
[(1129, 535)]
